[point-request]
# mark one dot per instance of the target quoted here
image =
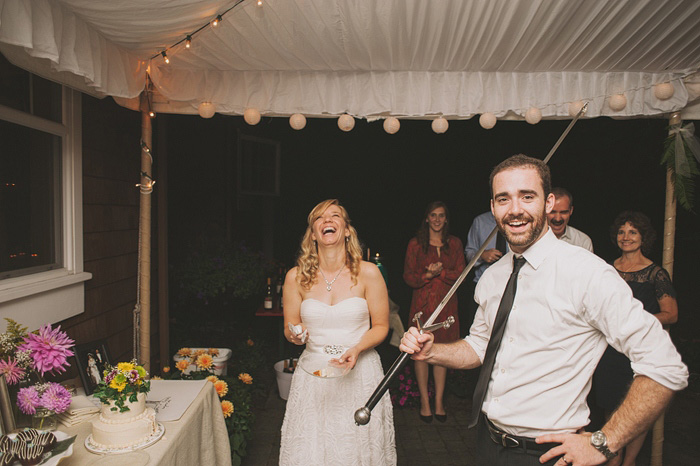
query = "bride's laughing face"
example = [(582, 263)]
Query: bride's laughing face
[(330, 228)]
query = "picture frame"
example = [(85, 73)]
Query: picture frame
[(91, 360)]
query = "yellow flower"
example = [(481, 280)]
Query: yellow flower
[(199, 352), (155, 377), (221, 388), (245, 378), (213, 351), (166, 369), (125, 367), (116, 385), (182, 365), (227, 408), (204, 361), (212, 378), (184, 352), (250, 342)]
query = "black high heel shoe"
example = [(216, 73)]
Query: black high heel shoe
[(426, 419), (441, 417)]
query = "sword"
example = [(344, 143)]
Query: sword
[(363, 414)]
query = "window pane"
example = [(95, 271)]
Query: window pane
[(29, 93), (30, 200)]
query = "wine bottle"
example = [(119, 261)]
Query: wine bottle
[(267, 304)]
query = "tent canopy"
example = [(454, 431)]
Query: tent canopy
[(368, 58)]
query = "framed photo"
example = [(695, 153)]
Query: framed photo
[(91, 360)]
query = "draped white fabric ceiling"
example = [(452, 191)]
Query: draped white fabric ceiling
[(369, 58)]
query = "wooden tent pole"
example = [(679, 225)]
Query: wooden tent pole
[(145, 244), (657, 436)]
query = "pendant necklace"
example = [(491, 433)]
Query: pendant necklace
[(329, 284)]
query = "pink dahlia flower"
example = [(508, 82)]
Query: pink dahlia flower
[(28, 400), (11, 371), (56, 398), (49, 349)]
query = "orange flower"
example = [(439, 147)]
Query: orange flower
[(199, 352), (250, 342), (212, 378), (155, 377), (213, 351), (182, 364), (245, 378), (184, 352), (221, 388), (204, 361), (227, 408), (166, 369)]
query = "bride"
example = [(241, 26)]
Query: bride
[(340, 306)]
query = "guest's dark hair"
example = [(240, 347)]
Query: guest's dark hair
[(561, 192), (523, 161), (423, 233), (639, 221)]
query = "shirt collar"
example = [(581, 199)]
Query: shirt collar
[(567, 233), (538, 251)]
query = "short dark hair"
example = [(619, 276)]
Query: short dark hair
[(561, 192), (639, 221), (522, 160)]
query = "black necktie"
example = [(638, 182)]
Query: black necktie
[(501, 243), (499, 326)]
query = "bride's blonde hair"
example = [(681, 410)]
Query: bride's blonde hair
[(307, 262)]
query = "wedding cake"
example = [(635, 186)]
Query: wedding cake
[(119, 430)]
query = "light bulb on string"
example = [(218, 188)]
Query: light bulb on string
[(259, 3), (617, 102), (297, 121), (440, 125), (215, 22), (165, 57), (251, 116), (151, 114), (663, 91), (392, 125), (487, 120), (533, 115), (346, 122), (188, 42)]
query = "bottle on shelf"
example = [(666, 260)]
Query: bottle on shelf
[(280, 286), (267, 303)]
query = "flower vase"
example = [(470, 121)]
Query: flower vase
[(44, 419)]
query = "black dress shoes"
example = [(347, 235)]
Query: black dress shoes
[(441, 417), (426, 419)]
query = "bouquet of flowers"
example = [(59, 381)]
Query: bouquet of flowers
[(25, 354), (122, 383)]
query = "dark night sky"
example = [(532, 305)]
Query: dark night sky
[(385, 181)]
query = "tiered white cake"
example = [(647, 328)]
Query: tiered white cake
[(117, 430)]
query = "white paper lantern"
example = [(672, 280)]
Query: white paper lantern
[(617, 102), (391, 125), (487, 120), (346, 122), (297, 121), (575, 107), (440, 125), (663, 91), (206, 109), (251, 116), (533, 115)]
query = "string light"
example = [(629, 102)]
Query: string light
[(165, 57), (188, 42), (259, 3), (215, 22)]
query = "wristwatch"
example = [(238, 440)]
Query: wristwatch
[(600, 443)]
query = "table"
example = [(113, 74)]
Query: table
[(198, 437)]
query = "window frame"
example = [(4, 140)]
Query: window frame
[(54, 295)]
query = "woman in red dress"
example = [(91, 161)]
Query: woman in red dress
[(434, 260)]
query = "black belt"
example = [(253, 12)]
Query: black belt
[(507, 440)]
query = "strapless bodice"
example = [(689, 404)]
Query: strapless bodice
[(333, 326)]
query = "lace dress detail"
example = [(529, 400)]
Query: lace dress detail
[(319, 428)]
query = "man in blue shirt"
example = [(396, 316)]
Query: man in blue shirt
[(481, 228)]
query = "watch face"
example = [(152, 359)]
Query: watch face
[(598, 438)]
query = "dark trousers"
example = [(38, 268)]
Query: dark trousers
[(490, 453)]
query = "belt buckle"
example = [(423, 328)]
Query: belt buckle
[(505, 438)]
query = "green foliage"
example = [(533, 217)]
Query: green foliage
[(13, 337), (684, 186), (215, 270)]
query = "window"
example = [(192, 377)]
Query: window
[(41, 268)]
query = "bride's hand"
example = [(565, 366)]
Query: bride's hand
[(349, 358), (298, 334)]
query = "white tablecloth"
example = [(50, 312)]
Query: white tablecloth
[(198, 437)]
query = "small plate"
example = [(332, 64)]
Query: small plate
[(153, 438), (53, 461), (322, 366)]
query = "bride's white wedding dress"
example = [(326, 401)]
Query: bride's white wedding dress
[(318, 427)]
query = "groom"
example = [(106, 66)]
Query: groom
[(558, 307)]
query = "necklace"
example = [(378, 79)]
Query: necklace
[(329, 284)]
